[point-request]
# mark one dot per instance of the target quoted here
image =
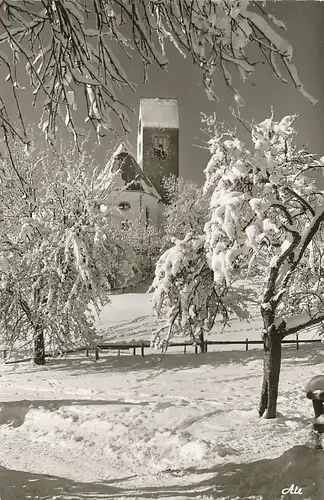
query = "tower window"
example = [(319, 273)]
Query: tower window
[(160, 142)]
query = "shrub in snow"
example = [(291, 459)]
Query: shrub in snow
[(143, 241), (264, 227), (187, 208)]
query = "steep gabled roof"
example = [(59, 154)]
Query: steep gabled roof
[(130, 174), (133, 175)]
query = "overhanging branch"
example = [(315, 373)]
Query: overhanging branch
[(305, 320)]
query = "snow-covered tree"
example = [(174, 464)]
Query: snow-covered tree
[(264, 232), (186, 213), (59, 257), (187, 208), (76, 51), (143, 240), (184, 293)]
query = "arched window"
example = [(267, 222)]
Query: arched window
[(125, 224), (124, 206)]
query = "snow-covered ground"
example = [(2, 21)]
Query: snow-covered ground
[(128, 427), (159, 429), (131, 317)]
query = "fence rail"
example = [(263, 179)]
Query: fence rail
[(198, 347)]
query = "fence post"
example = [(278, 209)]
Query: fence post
[(118, 352), (142, 349), (206, 346), (134, 351), (96, 353), (87, 352), (246, 344), (185, 349), (196, 349), (297, 342)]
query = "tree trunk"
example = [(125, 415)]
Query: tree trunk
[(202, 342), (271, 372), (39, 347)]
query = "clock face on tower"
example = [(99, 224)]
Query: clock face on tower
[(160, 153)]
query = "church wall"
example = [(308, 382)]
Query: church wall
[(138, 202), (154, 209)]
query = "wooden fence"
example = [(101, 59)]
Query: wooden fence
[(140, 347)]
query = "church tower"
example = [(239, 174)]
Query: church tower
[(158, 140)]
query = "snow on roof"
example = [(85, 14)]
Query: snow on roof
[(159, 113), (133, 175), (130, 172)]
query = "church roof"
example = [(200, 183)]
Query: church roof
[(159, 113), (133, 175)]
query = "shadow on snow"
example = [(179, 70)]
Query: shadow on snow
[(300, 466), (308, 354)]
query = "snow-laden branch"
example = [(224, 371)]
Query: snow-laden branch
[(309, 233), (278, 46), (299, 322), (73, 52), (302, 201)]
